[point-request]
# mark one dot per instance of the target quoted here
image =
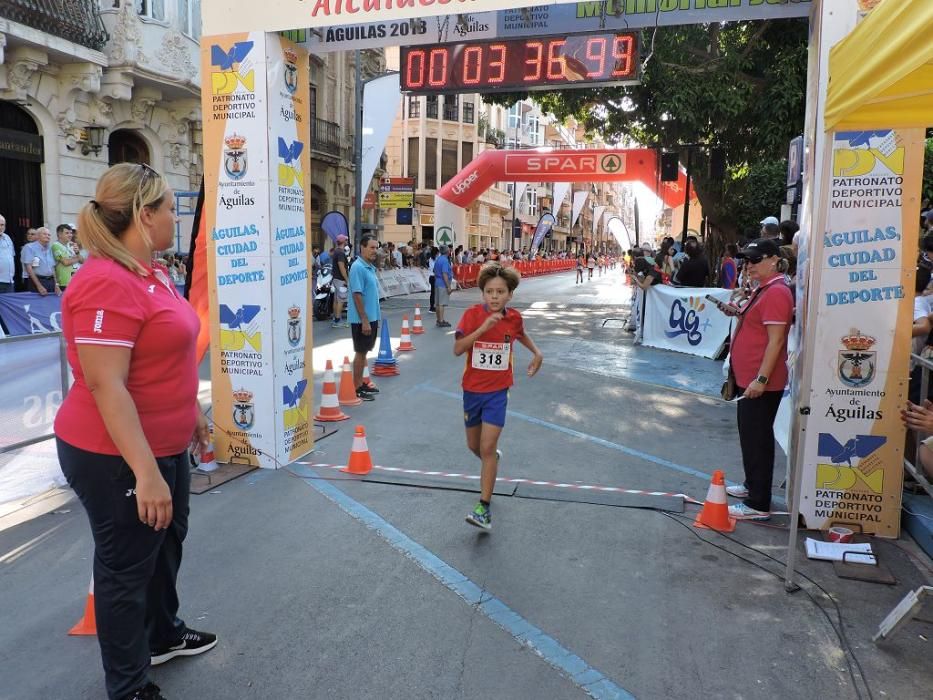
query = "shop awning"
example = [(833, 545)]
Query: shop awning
[(881, 75)]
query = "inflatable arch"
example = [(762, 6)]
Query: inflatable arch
[(545, 165)]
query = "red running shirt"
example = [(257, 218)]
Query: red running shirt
[(108, 305), (488, 347), (776, 306)]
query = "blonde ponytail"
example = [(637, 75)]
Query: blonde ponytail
[(121, 194)]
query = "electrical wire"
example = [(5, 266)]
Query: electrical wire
[(839, 630), (837, 627)]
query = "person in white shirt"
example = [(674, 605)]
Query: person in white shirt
[(7, 259)]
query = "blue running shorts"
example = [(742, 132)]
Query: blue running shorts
[(485, 407)]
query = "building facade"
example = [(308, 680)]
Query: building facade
[(431, 141), (85, 84)]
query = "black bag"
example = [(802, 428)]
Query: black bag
[(728, 387)]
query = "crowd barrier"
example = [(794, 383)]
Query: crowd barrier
[(466, 274), (35, 380), (28, 313)]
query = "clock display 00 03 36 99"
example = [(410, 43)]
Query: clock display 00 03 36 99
[(577, 60)]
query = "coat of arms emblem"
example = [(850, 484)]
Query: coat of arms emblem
[(235, 157), (243, 412), (294, 325), (857, 363), (291, 71)]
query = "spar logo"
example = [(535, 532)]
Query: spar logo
[(231, 76), (466, 183), (857, 153), (240, 327), (290, 166), (686, 320), (296, 408)]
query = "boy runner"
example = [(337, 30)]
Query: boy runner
[(486, 333)]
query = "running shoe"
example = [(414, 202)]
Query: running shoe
[(191, 644), (480, 517), (335, 324), (737, 491), (150, 691), (369, 389), (361, 393), (743, 512)]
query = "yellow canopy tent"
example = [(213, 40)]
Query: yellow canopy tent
[(881, 75)]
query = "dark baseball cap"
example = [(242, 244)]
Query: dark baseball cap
[(760, 248)]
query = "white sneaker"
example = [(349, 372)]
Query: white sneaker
[(743, 512), (737, 491)]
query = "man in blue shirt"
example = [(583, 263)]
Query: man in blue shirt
[(363, 313), (39, 264), (443, 276)]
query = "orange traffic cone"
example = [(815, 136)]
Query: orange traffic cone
[(360, 461), (330, 409), (417, 328), (715, 512), (405, 345), (347, 395), (87, 625), (208, 463), (367, 380)]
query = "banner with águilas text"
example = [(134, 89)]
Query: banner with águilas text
[(251, 328), (852, 449), (290, 222)]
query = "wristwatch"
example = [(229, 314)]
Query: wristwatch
[(761, 379)]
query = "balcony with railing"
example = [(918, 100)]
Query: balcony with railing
[(325, 137), (77, 21)]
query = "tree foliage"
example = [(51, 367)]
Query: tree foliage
[(740, 86)]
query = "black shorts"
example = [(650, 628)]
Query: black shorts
[(363, 343)]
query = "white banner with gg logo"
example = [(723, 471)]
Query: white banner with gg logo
[(683, 320)]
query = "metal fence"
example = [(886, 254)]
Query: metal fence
[(35, 380), (915, 468)]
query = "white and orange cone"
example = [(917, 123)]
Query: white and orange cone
[(330, 407), (208, 462), (360, 462), (367, 380), (347, 394), (87, 625), (405, 345), (417, 328), (715, 512)]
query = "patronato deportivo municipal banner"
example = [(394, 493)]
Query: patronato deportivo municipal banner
[(541, 19), (256, 166), (683, 320), (853, 444)]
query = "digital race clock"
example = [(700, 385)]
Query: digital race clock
[(546, 63)]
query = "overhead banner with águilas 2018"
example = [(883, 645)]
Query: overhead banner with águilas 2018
[(360, 24), (255, 104), (226, 16)]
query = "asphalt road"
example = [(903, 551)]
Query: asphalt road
[(335, 588)]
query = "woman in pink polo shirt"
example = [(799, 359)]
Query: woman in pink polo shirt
[(123, 433), (759, 362)]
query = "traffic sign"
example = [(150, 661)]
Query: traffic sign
[(396, 200)]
